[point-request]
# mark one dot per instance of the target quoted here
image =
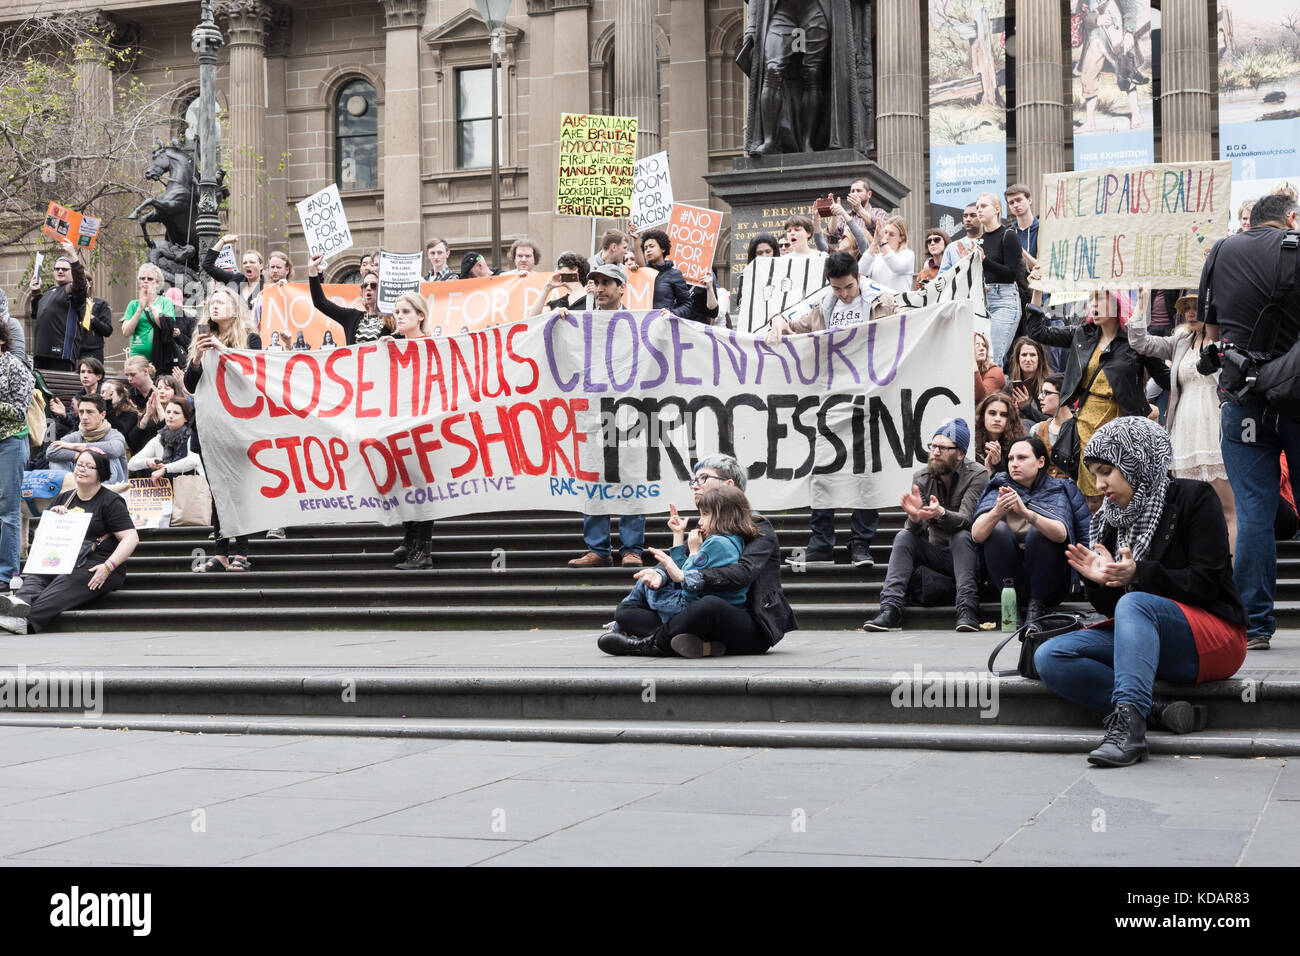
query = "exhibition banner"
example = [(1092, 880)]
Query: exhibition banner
[(1135, 225), (1111, 54), (600, 413)]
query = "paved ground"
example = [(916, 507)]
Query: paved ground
[(89, 797), (841, 652)]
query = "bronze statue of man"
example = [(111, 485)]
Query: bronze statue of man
[(811, 84)]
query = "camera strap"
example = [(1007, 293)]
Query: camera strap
[(1264, 337)]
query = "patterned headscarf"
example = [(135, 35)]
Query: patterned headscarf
[(1141, 450)]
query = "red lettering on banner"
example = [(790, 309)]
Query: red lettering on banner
[(399, 454), (259, 382), (290, 445), (579, 405), (302, 358), (339, 453), (339, 380), (547, 448), (471, 379), (325, 485), (390, 478), (522, 360), (448, 435), (365, 385), (268, 491), (408, 353), (433, 373), (485, 439), (481, 359), (423, 447), (245, 366)]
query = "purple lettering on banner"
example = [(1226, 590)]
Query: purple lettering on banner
[(898, 352), (680, 348), (646, 321), (761, 348), (609, 351), (834, 348), (550, 352), (737, 355), (587, 384), (816, 342)]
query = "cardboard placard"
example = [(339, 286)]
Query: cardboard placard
[(58, 542), (652, 192), (324, 223), (149, 500), (399, 273), (64, 224), (693, 234), (597, 165)]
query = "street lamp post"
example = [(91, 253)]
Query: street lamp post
[(494, 13), (206, 41)]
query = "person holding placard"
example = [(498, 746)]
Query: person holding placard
[(110, 540), (359, 325), (56, 312), (247, 284), (223, 324), (671, 293)]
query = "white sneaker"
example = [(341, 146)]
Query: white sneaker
[(276, 533), (13, 605), (14, 625)]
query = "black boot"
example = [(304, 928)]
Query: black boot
[(1125, 742), (1177, 716), (621, 644), (408, 541), (420, 558), (1036, 610)]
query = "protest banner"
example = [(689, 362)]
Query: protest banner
[(149, 500), (324, 223), (597, 165), (1134, 225), (693, 234), (461, 305), (592, 412), (399, 273), (772, 285), (652, 192), (57, 544), (62, 223)]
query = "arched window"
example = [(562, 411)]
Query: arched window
[(356, 137)]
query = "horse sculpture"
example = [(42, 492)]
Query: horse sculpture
[(176, 208)]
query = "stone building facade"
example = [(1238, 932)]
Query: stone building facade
[(388, 97)]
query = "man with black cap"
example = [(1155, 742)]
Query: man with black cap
[(937, 533), (474, 266), (610, 280)]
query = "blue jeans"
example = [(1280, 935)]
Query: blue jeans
[(1003, 303), (631, 532), (1255, 473), (863, 525), (13, 456), (1104, 667)]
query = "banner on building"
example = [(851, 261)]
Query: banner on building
[(693, 235), (1111, 54), (968, 106), (1259, 86), (149, 500), (600, 413), (597, 165), (652, 193), (461, 305), (399, 273), (1135, 225), (67, 225), (324, 223)]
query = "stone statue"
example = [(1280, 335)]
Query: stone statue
[(177, 209), (811, 80)]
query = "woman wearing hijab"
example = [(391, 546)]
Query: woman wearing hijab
[(1159, 565)]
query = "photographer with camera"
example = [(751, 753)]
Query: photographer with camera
[(1248, 300)]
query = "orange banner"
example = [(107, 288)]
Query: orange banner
[(459, 306)]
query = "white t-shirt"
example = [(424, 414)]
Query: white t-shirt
[(847, 313)]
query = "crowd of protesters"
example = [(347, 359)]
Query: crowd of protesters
[(1095, 443)]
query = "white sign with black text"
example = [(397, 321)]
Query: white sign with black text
[(324, 224)]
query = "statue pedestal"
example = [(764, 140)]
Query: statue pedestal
[(764, 191)]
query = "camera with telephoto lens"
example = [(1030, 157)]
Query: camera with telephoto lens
[(1238, 371)]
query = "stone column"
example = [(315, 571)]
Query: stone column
[(900, 133), (402, 163), (94, 99), (559, 50), (1187, 66), (282, 215), (689, 77), (635, 85), (246, 22), (1041, 93)]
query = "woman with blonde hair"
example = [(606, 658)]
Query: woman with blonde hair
[(150, 320), (1004, 274), (988, 374), (887, 260), (226, 316), (411, 313)]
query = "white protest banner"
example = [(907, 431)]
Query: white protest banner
[(772, 285), (399, 273), (324, 224), (584, 412), (226, 258), (693, 235), (1150, 224), (652, 192), (57, 544)]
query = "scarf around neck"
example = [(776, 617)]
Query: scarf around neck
[(1141, 450), (95, 434), (175, 444)]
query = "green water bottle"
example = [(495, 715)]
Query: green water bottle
[(1008, 605)]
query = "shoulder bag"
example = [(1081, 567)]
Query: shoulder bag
[(1033, 636)]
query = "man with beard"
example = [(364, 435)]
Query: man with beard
[(937, 536), (965, 244)]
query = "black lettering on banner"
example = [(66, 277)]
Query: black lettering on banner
[(919, 415), (859, 435), (807, 431), (832, 439), (904, 448), (775, 432)]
